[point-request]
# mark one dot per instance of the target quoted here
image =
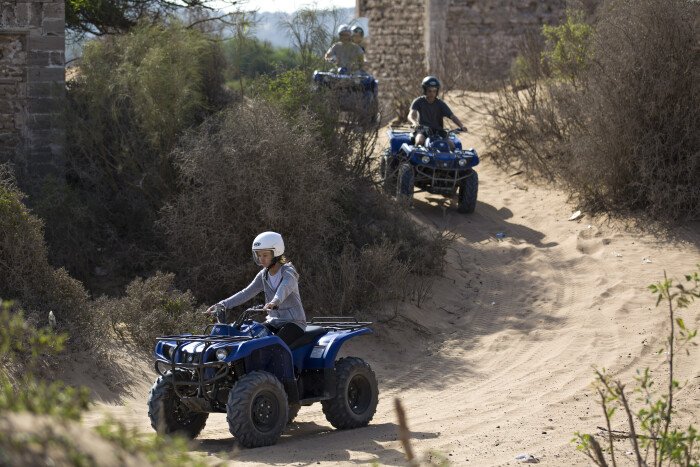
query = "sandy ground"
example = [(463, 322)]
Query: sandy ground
[(498, 360)]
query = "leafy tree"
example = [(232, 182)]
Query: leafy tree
[(101, 17), (252, 58), (312, 32)]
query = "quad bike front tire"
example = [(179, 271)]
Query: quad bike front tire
[(468, 190), (387, 171), (293, 412), (168, 414), (405, 183), (256, 410), (356, 395)]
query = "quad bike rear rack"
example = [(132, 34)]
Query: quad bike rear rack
[(338, 323)]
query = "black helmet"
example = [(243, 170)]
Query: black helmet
[(358, 30), (430, 82)]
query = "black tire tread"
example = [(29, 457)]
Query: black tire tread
[(336, 410), (161, 420), (468, 191), (405, 182), (237, 413)]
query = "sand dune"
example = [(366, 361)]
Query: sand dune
[(497, 361)]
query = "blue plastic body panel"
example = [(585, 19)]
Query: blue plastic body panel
[(323, 353)]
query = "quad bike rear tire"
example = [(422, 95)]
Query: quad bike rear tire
[(170, 416), (257, 410), (468, 190), (356, 396), (405, 183)]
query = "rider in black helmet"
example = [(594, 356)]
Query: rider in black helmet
[(427, 112), (358, 34)]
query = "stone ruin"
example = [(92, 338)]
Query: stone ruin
[(469, 44), (32, 83)]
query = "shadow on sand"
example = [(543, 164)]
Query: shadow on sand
[(300, 442)]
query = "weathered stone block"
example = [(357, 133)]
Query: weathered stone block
[(55, 26), (58, 58), (41, 105), (44, 121), (54, 74), (39, 42), (46, 89), (55, 10), (39, 58)]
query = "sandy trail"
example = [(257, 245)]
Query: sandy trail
[(497, 361)]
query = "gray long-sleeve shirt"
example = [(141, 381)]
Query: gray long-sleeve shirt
[(285, 296)]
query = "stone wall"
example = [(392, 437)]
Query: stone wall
[(467, 41), (32, 83)]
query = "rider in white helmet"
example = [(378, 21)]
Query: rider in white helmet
[(346, 54), (280, 282)]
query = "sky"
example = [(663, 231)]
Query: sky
[(289, 6)]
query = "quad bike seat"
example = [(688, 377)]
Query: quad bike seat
[(310, 335)]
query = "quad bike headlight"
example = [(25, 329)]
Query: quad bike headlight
[(462, 162), (167, 351), (425, 159), (221, 354)]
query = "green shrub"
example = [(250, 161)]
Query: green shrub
[(158, 450), (131, 99), (655, 437), (22, 346), (26, 273), (569, 53), (151, 307)]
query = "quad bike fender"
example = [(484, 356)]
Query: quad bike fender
[(269, 353), (325, 351), (406, 148)]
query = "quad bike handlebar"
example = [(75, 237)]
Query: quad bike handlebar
[(432, 131)]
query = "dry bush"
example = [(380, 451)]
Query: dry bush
[(244, 172), (620, 126), (27, 276), (405, 88), (151, 307), (640, 147), (248, 170)]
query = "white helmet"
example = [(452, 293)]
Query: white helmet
[(268, 241), (344, 28)]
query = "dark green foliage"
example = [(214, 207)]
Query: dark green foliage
[(101, 17), (21, 345), (250, 57), (26, 273), (133, 97)]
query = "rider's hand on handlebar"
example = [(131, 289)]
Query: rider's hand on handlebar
[(212, 310), (269, 306)]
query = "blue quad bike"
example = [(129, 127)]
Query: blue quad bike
[(355, 92), (258, 381), (434, 168)]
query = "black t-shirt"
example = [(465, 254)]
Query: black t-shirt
[(431, 115)]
